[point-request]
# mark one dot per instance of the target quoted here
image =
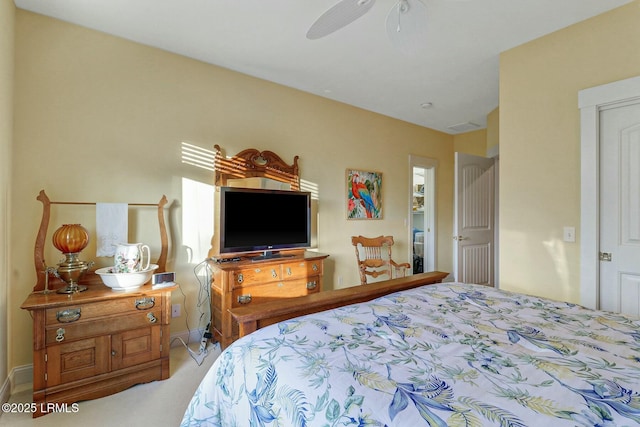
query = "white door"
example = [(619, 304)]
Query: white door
[(474, 248), (620, 209)]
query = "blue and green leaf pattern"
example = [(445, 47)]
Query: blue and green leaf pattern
[(439, 355)]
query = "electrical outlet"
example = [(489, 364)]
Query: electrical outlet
[(175, 310)]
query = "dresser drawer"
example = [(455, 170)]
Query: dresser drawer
[(272, 291), (95, 310), (256, 275), (63, 333), (298, 269)]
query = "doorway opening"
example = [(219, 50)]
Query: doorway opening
[(422, 214)]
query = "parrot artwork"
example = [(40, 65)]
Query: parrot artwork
[(364, 195)]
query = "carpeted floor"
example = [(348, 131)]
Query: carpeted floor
[(160, 403)]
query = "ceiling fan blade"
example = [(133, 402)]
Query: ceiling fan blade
[(407, 26), (340, 15)]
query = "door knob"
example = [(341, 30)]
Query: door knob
[(460, 238), (605, 256)]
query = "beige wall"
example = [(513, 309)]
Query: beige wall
[(7, 14), (471, 142), (540, 145), (99, 118)]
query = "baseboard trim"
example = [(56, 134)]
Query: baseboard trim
[(18, 377), (22, 375), (5, 391)]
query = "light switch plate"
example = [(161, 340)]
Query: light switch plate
[(569, 234)]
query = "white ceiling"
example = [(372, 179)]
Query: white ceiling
[(456, 68)]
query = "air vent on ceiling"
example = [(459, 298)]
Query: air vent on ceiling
[(464, 127)]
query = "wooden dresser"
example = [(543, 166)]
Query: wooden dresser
[(246, 282), (98, 342)]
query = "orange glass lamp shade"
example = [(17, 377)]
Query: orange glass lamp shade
[(70, 238)]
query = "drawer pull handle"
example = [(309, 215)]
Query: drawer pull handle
[(312, 285), (145, 303), (273, 273), (68, 316), (244, 299), (240, 278), (314, 267), (60, 335), (151, 318), (288, 271)]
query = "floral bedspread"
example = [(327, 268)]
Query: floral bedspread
[(439, 355)]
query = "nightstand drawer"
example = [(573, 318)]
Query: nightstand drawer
[(272, 291), (63, 333), (92, 311)]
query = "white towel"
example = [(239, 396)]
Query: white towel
[(111, 227)]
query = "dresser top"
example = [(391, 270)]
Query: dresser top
[(94, 293), (248, 261)]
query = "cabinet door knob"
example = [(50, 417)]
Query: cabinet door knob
[(151, 318), (113, 353), (312, 285), (60, 335)]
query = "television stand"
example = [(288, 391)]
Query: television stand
[(244, 282)]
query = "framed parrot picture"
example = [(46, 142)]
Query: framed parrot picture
[(364, 194)]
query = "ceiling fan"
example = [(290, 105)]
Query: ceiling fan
[(406, 21)]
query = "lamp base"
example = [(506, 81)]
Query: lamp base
[(70, 271), (71, 289)]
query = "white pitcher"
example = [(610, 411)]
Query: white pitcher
[(129, 258)]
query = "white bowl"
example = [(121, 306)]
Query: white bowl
[(125, 281)]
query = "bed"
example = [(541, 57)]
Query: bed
[(444, 354)]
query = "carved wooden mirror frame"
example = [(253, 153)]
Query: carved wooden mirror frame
[(252, 163)]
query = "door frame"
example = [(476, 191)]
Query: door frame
[(430, 205), (590, 101)]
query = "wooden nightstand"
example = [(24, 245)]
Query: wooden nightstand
[(98, 342)]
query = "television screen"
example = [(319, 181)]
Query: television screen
[(254, 220)]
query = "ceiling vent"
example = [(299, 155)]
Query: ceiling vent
[(464, 127)]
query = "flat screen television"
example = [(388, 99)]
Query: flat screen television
[(260, 220)]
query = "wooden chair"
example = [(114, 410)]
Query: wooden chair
[(374, 259)]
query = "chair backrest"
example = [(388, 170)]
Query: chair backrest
[(374, 257)]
